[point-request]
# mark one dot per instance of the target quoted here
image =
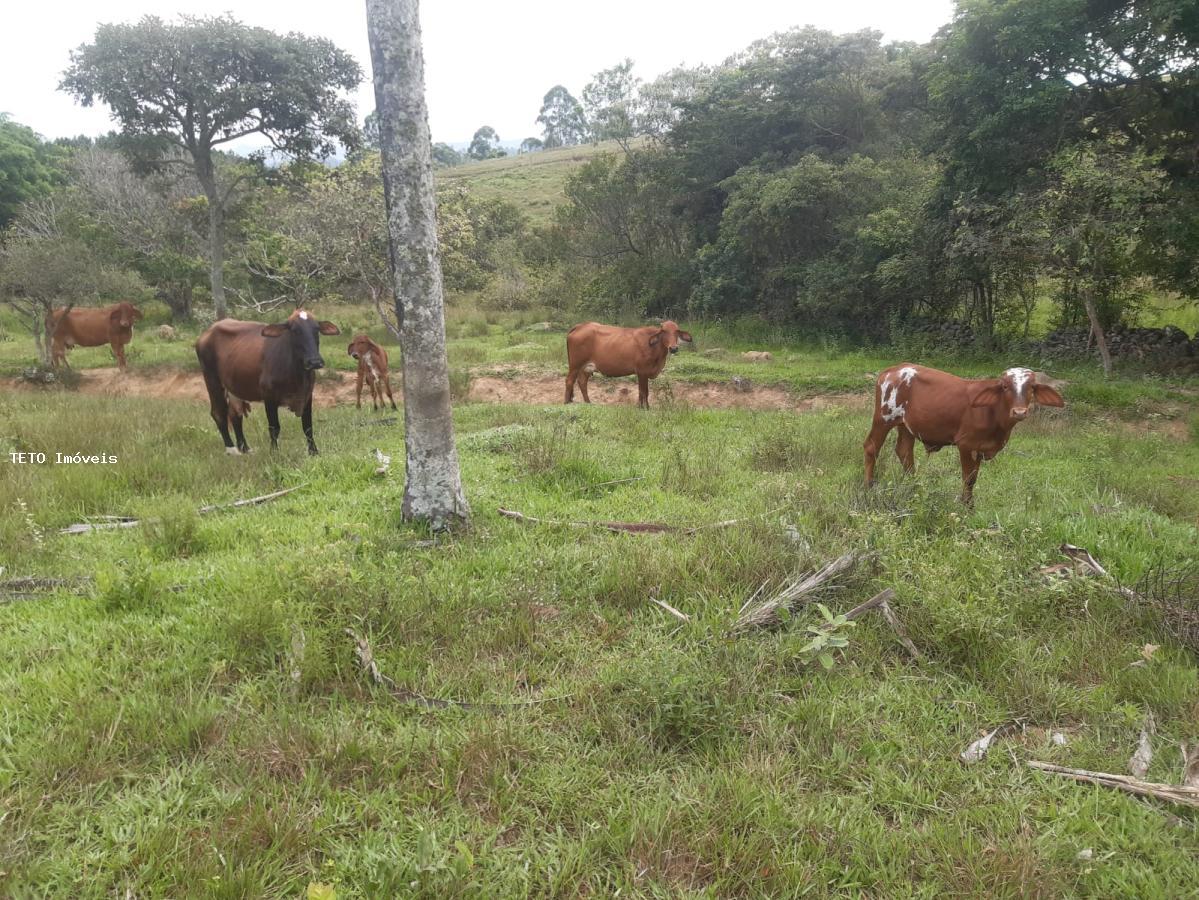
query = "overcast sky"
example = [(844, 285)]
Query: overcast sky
[(486, 62)]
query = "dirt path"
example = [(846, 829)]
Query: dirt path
[(516, 386), (549, 389), (332, 389)]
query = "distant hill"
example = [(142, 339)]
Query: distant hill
[(532, 181)]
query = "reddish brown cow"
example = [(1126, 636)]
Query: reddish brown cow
[(78, 326), (274, 364), (372, 366), (939, 409), (614, 351)]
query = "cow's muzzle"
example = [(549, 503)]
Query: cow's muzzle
[(674, 349), (314, 362), (1019, 413)]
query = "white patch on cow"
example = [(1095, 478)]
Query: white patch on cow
[(888, 401), (369, 358), (1019, 377), (906, 374), (303, 314)]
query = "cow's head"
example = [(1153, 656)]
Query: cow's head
[(1015, 394), (124, 314), (359, 346), (304, 332), (669, 336)]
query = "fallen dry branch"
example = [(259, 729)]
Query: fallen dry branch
[(882, 602), (1082, 563), (795, 593), (30, 586), (1142, 758), (1175, 793), (682, 616), (1190, 766), (1171, 591), (978, 749), (252, 501), (366, 660), (124, 522), (626, 527)]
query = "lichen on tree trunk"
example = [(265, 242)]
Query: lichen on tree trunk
[(433, 489)]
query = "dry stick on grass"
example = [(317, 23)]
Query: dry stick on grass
[(30, 587), (1175, 793), (882, 602), (118, 522), (682, 616), (766, 613), (628, 527), (592, 487), (366, 659), (1083, 559)]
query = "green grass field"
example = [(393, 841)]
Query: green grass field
[(192, 721)]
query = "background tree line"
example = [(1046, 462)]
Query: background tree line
[(834, 183)]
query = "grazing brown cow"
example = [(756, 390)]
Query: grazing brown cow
[(372, 366), (274, 364), (78, 326), (615, 351), (939, 409)]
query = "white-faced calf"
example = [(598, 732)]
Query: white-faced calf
[(939, 409)]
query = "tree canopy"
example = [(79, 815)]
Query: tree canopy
[(203, 83)]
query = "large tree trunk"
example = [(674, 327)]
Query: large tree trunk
[(433, 492), (206, 175), (1097, 330)]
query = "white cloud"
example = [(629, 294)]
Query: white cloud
[(486, 63)]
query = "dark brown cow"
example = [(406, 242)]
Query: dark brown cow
[(78, 326), (939, 409), (615, 351), (274, 364), (372, 366)]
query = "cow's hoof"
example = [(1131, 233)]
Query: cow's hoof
[(312, 451), (232, 451)]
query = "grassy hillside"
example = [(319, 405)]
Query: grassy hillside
[(193, 721), (533, 181)]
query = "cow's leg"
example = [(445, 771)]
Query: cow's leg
[(272, 422), (571, 377), (376, 394), (118, 350), (584, 380), (387, 384), (970, 464), (905, 445), (306, 422), (360, 374), (219, 408), (874, 443), (643, 391), (235, 418)]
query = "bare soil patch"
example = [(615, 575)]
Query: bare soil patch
[(551, 389), (332, 389), (515, 385)]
